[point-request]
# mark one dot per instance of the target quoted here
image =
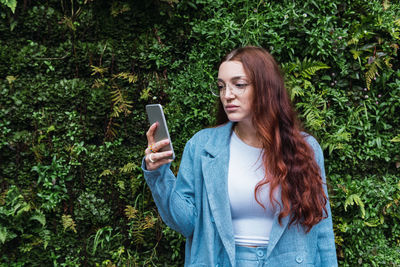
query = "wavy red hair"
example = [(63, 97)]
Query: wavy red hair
[(288, 159)]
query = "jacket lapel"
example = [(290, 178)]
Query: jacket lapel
[(215, 170), (276, 232)]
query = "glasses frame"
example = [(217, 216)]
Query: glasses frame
[(234, 90)]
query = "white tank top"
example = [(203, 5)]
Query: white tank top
[(251, 222)]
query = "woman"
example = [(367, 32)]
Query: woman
[(250, 192)]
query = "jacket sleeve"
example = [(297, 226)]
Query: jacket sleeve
[(326, 238), (173, 196)]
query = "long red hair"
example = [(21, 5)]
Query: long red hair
[(288, 159)]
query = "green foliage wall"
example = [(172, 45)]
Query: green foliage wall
[(76, 75)]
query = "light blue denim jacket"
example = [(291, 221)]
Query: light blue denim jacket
[(196, 204)]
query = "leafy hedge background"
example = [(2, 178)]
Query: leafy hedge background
[(75, 76)]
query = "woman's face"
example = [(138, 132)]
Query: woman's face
[(236, 92)]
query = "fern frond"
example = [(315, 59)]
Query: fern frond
[(68, 222), (130, 212), (138, 236), (149, 222), (145, 94), (308, 68), (305, 68), (98, 70), (355, 199), (313, 120), (298, 73), (337, 140), (288, 67), (45, 235), (113, 132), (295, 91), (120, 104), (128, 168), (371, 73), (119, 8), (353, 40), (106, 173), (313, 111), (356, 53), (121, 184), (98, 83), (116, 111), (132, 78), (387, 62), (342, 135), (116, 96)]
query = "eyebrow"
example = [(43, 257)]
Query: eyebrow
[(233, 78)]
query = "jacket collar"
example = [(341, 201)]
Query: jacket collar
[(219, 140), (215, 169)]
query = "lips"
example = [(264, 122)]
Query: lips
[(231, 107)]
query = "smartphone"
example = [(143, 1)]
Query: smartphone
[(155, 113)]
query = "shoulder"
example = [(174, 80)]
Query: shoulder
[(211, 135), (315, 146), (311, 141)]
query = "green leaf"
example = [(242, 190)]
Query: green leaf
[(12, 4), (3, 234), (10, 79), (39, 217), (51, 128), (396, 139)]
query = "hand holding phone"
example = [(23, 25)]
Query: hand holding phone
[(159, 150)]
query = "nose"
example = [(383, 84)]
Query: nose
[(228, 94)]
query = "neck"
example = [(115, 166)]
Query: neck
[(247, 133)]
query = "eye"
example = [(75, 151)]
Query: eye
[(220, 86), (241, 85)]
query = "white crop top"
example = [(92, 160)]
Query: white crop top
[(251, 222)]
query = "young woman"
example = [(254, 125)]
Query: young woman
[(250, 192)]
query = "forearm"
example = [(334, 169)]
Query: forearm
[(176, 210)]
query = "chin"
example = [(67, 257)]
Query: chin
[(238, 118), (234, 118)]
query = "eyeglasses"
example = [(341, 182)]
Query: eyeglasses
[(237, 88)]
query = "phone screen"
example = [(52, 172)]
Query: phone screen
[(155, 113)]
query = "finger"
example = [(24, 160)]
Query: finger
[(156, 146), (163, 162), (154, 166), (150, 133), (160, 156), (160, 144), (149, 163)]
